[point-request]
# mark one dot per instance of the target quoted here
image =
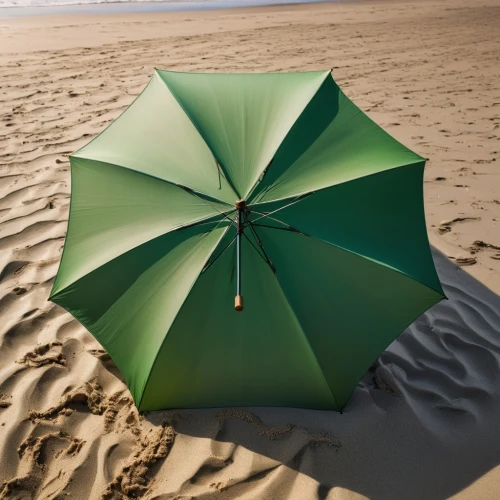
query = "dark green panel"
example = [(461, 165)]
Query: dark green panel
[(380, 217), (350, 308)]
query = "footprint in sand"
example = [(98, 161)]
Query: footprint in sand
[(447, 225), (46, 354)]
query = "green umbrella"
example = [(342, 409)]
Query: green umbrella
[(274, 188)]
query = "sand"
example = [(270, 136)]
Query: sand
[(423, 423)]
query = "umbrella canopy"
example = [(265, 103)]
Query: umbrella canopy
[(274, 188)]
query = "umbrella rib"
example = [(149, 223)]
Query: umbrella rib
[(200, 223), (218, 172), (255, 248), (300, 198), (208, 265), (217, 225), (190, 191), (291, 229), (266, 216), (287, 228), (268, 260), (253, 244)]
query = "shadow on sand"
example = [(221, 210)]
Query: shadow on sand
[(422, 424)]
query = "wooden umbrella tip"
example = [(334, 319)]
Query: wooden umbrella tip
[(238, 303), (240, 204)]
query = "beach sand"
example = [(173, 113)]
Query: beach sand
[(423, 423)]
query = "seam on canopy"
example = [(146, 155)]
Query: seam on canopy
[(186, 226), (370, 120), (306, 338), (365, 257), (151, 176), (306, 192), (365, 370), (116, 119), (75, 153), (84, 323), (222, 167), (437, 300), (268, 166), (65, 244), (387, 266), (176, 316)]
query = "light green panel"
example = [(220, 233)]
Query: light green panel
[(155, 136), (380, 217), (114, 209), (350, 308), (349, 147), (243, 117), (131, 315), (214, 356)]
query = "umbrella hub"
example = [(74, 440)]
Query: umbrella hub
[(240, 204)]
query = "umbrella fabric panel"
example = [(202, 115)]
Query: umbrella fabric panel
[(349, 145), (214, 356), (350, 308), (380, 217), (114, 209), (130, 303), (155, 136), (243, 117)]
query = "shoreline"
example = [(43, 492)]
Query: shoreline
[(118, 7), (54, 31), (137, 7)]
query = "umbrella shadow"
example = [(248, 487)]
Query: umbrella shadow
[(423, 422)]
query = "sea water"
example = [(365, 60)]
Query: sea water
[(14, 7)]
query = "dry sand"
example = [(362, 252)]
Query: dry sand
[(423, 423)]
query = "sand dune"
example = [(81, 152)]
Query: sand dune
[(423, 422)]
